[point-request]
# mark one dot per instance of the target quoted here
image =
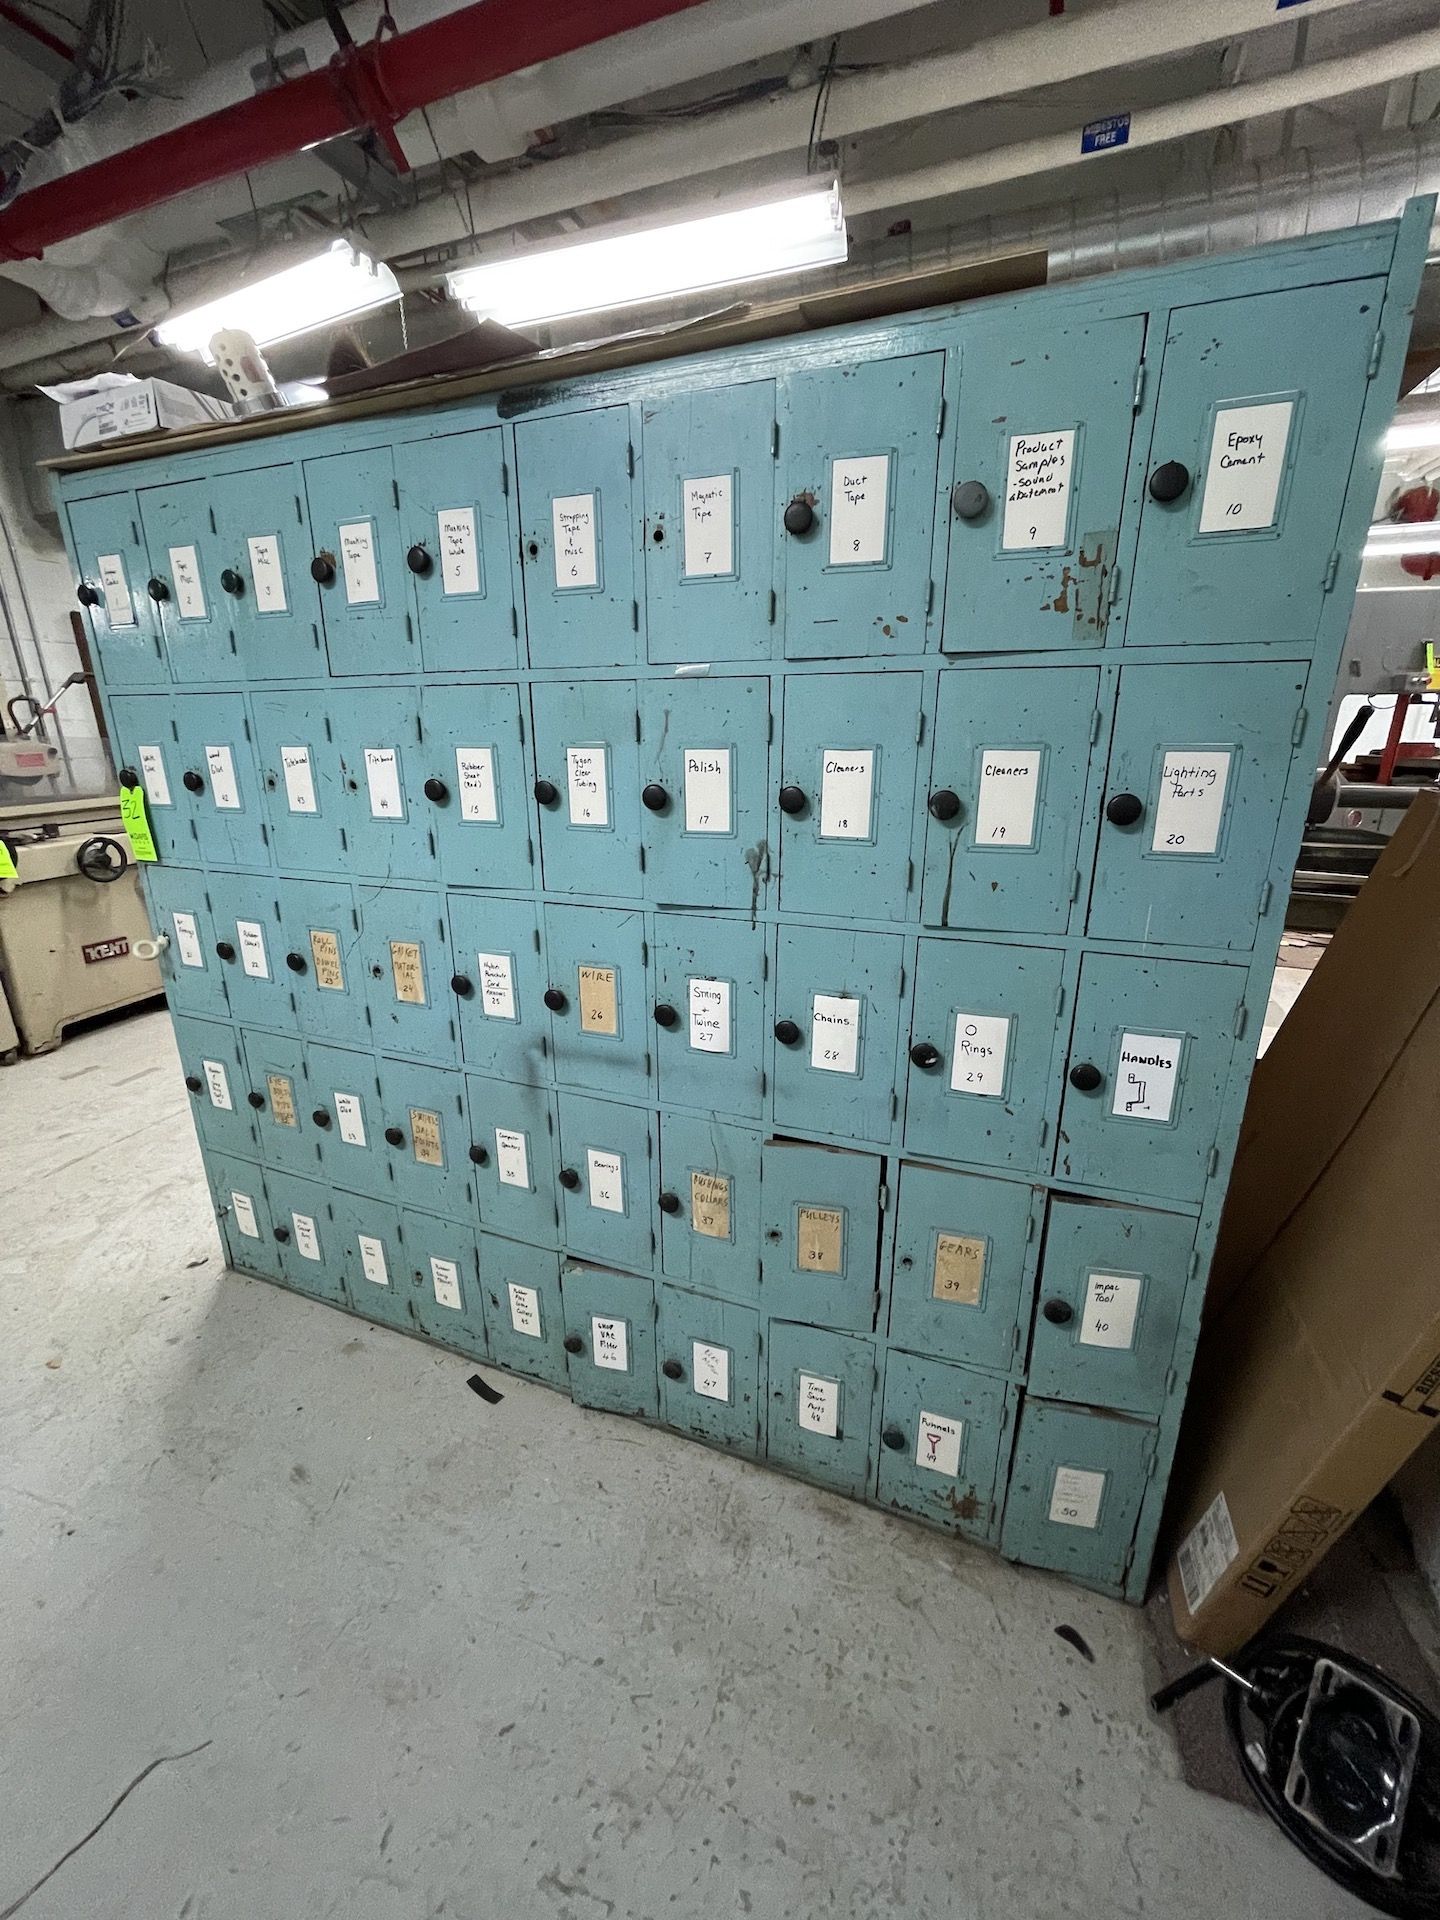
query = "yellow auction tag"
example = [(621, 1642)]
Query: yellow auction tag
[(7, 863), (137, 823)]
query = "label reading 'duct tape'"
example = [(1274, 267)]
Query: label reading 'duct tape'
[(189, 588), (937, 1443), (1037, 490), (982, 1041), (152, 775), (1112, 1301), (835, 1033), (817, 1405), (710, 1370), (187, 940), (357, 563), (475, 777), (1075, 1496), (1191, 806), (497, 985), (607, 1181), (859, 501), (1148, 1072), (307, 1238), (244, 1210), (610, 1344), (266, 573), (372, 1259), (524, 1310), (512, 1157), (589, 790), (351, 1116), (459, 550), (708, 509), (707, 789), (299, 780), (224, 788), (847, 792), (253, 957), (1246, 465), (577, 550), (382, 777), (445, 1278), (1009, 789)]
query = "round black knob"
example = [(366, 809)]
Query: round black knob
[(1169, 480), (792, 799), (654, 797), (672, 1369), (418, 559), (658, 536), (224, 950), (295, 962), (799, 515), (436, 790), (670, 1203), (573, 1343), (322, 569), (893, 1438), (394, 1136), (924, 1055), (1124, 809), (1085, 1078), (479, 1155), (786, 1032), (282, 1234), (546, 792), (320, 1117), (232, 580), (192, 782), (461, 985), (87, 595), (666, 1016), (569, 1178), (257, 1100), (555, 1000), (969, 499), (532, 547), (944, 804), (194, 1082), (1058, 1312), (157, 589), (128, 777)]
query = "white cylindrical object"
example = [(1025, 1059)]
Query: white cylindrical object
[(243, 367)]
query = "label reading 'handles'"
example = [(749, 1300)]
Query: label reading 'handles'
[(1148, 1076)]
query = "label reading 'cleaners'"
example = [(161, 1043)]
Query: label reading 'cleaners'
[(1009, 789), (847, 786)]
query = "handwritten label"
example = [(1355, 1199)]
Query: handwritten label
[(307, 1236), (819, 1239), (859, 516), (577, 545), (459, 550), (1246, 466), (372, 1260), (267, 576), (1075, 1496), (189, 587), (937, 1444), (835, 1033), (710, 1016), (1037, 490), (589, 786), (708, 510), (357, 564), (607, 1180), (817, 1405), (599, 1001), (445, 1278), (1009, 789), (281, 1090), (710, 1370), (350, 1113), (115, 588), (1148, 1073), (152, 774), (253, 957), (187, 940), (425, 1141), (1192, 802), (959, 1275), (977, 1065), (710, 1204), (408, 972), (512, 1157), (475, 780), (325, 952), (136, 822), (707, 789), (382, 777), (610, 1344), (524, 1310), (217, 1085), (224, 788), (299, 780), (847, 788), (1112, 1301), (243, 1208), (497, 985)]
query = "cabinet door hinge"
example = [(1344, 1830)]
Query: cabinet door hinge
[(299, 511), (773, 604), (1266, 894), (630, 458), (940, 418), (395, 492), (515, 623), (635, 615), (1297, 726), (1139, 393), (505, 478), (1212, 1163), (1192, 1265), (1377, 348), (1094, 725), (774, 439), (1075, 884), (213, 527), (1242, 1015), (1332, 567), (929, 597), (884, 1197), (920, 726)]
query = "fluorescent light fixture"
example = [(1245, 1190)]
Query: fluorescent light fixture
[(1413, 433), (755, 243), (334, 285), (1392, 549)]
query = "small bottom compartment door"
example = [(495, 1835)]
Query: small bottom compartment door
[(523, 1317), (242, 1213), (214, 1070), (964, 1265), (710, 1206), (512, 1152), (820, 1239), (820, 1394), (709, 1369), (1076, 1486), (444, 1269), (610, 1340), (943, 1433), (427, 1137), (311, 1254), (372, 1260), (607, 1169)]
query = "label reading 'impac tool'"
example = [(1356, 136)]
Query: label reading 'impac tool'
[(1112, 1300)]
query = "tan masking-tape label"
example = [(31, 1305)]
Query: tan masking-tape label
[(599, 1012), (959, 1268), (282, 1099), (409, 974), (710, 1204), (425, 1137), (325, 951), (818, 1233)]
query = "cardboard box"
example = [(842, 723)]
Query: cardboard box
[(116, 409), (1318, 1373)]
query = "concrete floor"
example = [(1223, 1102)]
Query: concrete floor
[(495, 1662)]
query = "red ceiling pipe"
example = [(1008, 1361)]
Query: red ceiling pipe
[(371, 86), (51, 41)]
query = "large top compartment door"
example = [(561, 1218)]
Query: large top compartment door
[(577, 538)]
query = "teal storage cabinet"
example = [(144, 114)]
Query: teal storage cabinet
[(744, 888)]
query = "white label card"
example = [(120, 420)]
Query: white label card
[(266, 573), (307, 1237), (351, 1115), (116, 590), (847, 790), (244, 1210), (524, 1310), (445, 1276), (189, 587), (187, 940), (253, 957), (707, 789), (475, 778), (1075, 1497), (710, 1370), (610, 1344), (217, 1085), (152, 773), (512, 1157), (1207, 1550), (382, 777), (709, 510), (835, 1033), (937, 1443), (299, 780), (607, 1181), (577, 548), (1009, 790), (710, 1016), (977, 1064), (1037, 490), (1112, 1300), (1148, 1072), (224, 788), (459, 550), (497, 985), (587, 771), (1192, 802), (1246, 465), (372, 1259), (817, 1405), (859, 516), (357, 563)]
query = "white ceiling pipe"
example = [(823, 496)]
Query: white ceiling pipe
[(1152, 126)]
